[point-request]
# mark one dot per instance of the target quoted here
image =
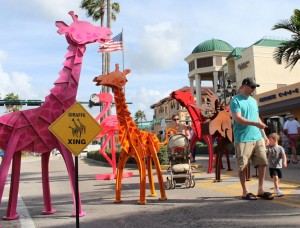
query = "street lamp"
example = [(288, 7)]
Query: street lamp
[(226, 89)]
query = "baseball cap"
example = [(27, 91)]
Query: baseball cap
[(250, 82)]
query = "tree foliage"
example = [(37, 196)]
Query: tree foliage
[(288, 51), (12, 108), (96, 9), (140, 116)]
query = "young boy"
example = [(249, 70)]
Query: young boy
[(277, 160)]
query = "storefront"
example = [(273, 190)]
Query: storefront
[(274, 104)]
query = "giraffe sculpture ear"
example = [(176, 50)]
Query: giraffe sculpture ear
[(63, 27), (126, 71)]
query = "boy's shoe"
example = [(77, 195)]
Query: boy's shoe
[(279, 193)]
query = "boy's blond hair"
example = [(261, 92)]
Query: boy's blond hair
[(274, 136)]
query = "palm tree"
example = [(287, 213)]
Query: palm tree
[(96, 10), (140, 115), (12, 107), (288, 52)]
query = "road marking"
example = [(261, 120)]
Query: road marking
[(25, 219), (233, 187)]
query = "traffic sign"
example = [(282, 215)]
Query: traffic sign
[(75, 128)]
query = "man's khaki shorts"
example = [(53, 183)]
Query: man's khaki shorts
[(254, 151)]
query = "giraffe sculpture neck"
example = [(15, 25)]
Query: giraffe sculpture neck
[(65, 90), (123, 114), (125, 121), (197, 118)]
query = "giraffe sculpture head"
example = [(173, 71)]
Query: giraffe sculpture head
[(82, 32), (183, 97), (113, 79)]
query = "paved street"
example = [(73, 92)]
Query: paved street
[(208, 204)]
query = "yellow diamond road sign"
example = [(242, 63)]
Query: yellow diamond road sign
[(75, 128)]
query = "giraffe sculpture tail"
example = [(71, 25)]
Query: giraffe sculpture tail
[(168, 131)]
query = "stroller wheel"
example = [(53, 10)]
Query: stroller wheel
[(173, 184), (192, 181), (168, 184), (187, 182)]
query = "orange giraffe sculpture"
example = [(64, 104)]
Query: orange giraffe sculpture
[(135, 143)]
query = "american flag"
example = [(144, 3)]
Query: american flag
[(115, 44)]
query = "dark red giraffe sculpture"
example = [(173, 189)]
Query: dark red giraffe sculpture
[(200, 126), (28, 130)]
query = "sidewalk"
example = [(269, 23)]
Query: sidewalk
[(208, 204)]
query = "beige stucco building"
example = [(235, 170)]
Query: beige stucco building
[(218, 63)]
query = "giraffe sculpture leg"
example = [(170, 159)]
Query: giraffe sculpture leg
[(221, 148), (11, 212), (209, 143), (160, 177), (142, 171), (227, 158), (121, 164), (4, 167), (150, 177), (220, 152), (46, 186)]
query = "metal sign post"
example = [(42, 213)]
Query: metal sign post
[(76, 128)]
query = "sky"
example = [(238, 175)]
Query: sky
[(158, 36)]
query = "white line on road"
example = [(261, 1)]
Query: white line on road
[(25, 219)]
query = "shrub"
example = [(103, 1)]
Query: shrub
[(95, 155), (163, 156)]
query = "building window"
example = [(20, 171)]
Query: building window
[(172, 104), (191, 66), (204, 62), (161, 110)]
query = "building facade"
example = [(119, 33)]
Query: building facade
[(274, 104), (219, 64), (166, 107)]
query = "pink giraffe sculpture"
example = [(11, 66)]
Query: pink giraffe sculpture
[(28, 130), (109, 128)]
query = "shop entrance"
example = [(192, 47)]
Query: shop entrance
[(275, 124)]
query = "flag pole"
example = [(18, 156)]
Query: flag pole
[(123, 61)]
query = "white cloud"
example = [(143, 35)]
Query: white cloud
[(143, 98), (3, 55), (43, 10), (158, 46), (15, 82), (21, 84)]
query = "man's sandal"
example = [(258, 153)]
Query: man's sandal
[(266, 196), (249, 196)]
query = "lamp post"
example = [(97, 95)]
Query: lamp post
[(226, 88)]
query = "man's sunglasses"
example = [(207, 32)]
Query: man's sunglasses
[(175, 119), (252, 87)]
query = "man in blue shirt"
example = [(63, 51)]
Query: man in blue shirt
[(249, 137)]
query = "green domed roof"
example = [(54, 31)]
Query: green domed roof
[(213, 45)]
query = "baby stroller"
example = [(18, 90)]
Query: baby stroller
[(180, 164)]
